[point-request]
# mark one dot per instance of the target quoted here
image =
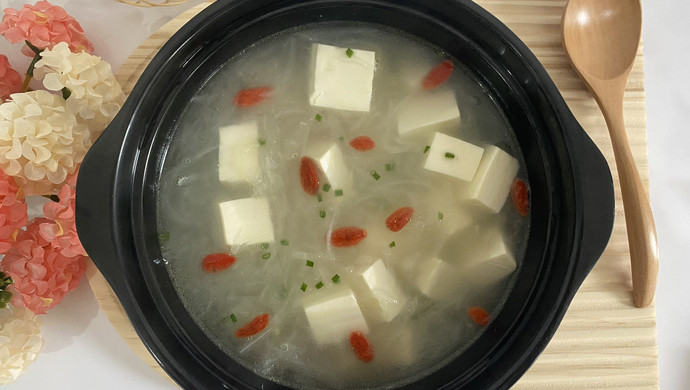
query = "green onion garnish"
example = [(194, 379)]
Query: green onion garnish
[(284, 242), (231, 317), (390, 166), (335, 278), (426, 148), (392, 244), (262, 141), (440, 215), (326, 187), (310, 263), (322, 214), (319, 197), (163, 237), (266, 255), (338, 192), (303, 287), (349, 52), (341, 138), (264, 245), (318, 117), (319, 285), (375, 175), (450, 155)]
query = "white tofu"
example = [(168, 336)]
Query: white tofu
[(342, 82), (437, 279), (428, 111), (383, 299), (336, 170), (453, 157), (238, 152), (333, 314), (246, 221), (491, 184)]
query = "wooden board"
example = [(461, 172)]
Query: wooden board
[(604, 342)]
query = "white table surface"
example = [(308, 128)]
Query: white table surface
[(83, 350)]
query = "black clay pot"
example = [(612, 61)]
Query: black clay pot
[(572, 200)]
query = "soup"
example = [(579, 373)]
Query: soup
[(342, 206)]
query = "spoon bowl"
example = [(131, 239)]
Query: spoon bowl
[(601, 39)]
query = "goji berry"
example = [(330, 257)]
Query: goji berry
[(479, 315), (309, 175), (347, 236), (361, 347), (438, 75), (217, 262), (252, 96), (399, 218), (255, 326), (520, 197), (363, 143)]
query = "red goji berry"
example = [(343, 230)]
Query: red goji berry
[(399, 218), (479, 315), (520, 197), (309, 175), (255, 326), (362, 143), (361, 347), (438, 75), (347, 236), (252, 96), (217, 262)]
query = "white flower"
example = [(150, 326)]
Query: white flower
[(40, 139), (20, 342), (96, 95)]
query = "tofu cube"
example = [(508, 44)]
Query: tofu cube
[(382, 299), (246, 221), (491, 184), (335, 168), (238, 152), (453, 157), (437, 279), (428, 111), (333, 314), (342, 81)]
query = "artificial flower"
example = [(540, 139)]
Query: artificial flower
[(43, 25), (41, 141), (13, 215), (95, 95), (20, 342), (62, 233), (42, 275), (10, 80)]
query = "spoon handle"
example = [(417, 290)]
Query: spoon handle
[(642, 239)]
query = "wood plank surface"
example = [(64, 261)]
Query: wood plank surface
[(604, 342)]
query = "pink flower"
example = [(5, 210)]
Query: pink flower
[(44, 25), (12, 211), (42, 275), (10, 80), (62, 231)]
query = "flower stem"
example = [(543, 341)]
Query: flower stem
[(32, 65)]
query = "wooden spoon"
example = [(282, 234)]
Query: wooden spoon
[(601, 38)]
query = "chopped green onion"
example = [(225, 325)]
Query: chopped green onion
[(284, 242), (349, 52), (303, 287), (319, 285), (341, 138), (375, 175), (450, 155), (163, 237), (322, 214), (426, 148), (231, 317), (266, 255), (319, 197), (318, 117), (336, 278), (326, 187), (310, 263), (262, 141), (390, 166), (440, 215), (264, 245), (338, 192), (392, 244)]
